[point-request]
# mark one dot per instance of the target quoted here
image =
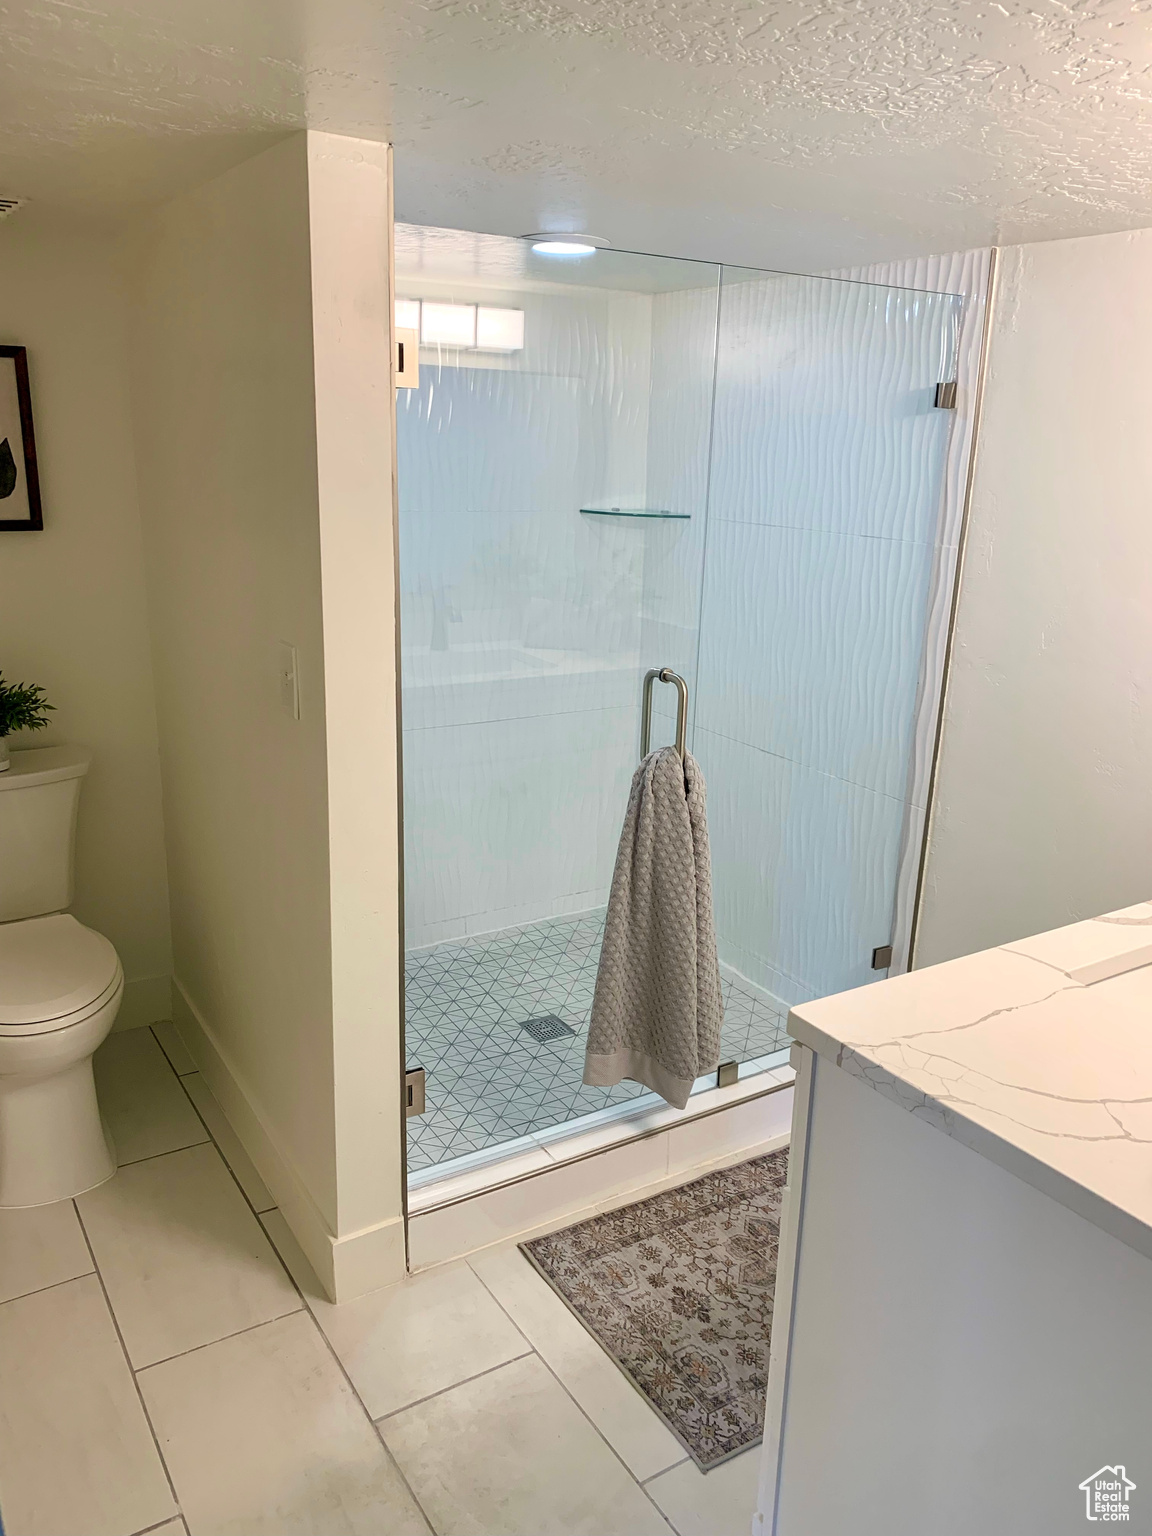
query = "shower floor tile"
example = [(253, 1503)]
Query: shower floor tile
[(488, 1081)]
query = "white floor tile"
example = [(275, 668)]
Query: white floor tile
[(510, 1454), (141, 1099), (292, 1256), (404, 1342), (170, 1528), (174, 1048), (429, 1332), (76, 1453), (40, 1246), (229, 1143), (719, 1503), (264, 1437), (634, 1430), (183, 1258)]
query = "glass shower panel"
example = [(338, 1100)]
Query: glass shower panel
[(827, 462), (552, 487), (628, 462)]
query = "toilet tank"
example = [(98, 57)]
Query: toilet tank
[(39, 795)]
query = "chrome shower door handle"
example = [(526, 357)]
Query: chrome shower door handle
[(664, 675)]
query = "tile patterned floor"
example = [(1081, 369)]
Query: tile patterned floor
[(169, 1365), (488, 1081)]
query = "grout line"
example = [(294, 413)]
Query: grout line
[(237, 1333), (152, 1031), (833, 533), (418, 1402), (400, 1473), (580, 1408), (151, 1158), (39, 1291), (551, 714), (221, 1154), (796, 762), (135, 1162), (160, 1524), (127, 1359), (684, 1460)]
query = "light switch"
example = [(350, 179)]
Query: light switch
[(289, 680)]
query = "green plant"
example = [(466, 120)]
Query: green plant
[(22, 707)]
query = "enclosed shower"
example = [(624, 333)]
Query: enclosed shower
[(620, 464)]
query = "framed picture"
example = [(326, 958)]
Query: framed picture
[(19, 482)]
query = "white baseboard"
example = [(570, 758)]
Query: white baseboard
[(147, 1000), (346, 1266)]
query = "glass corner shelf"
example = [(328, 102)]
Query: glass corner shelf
[(635, 512)]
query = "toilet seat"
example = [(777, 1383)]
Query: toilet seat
[(54, 972)]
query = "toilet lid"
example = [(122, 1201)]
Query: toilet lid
[(50, 967)]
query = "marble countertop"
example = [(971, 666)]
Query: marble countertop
[(1038, 1055)]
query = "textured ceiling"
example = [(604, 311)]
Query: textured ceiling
[(787, 134)]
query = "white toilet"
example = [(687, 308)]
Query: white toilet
[(60, 989)]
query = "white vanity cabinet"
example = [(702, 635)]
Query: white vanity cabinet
[(962, 1340)]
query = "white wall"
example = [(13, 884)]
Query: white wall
[(1044, 803), (350, 213), (72, 608), (262, 395)]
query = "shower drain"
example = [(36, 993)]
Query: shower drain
[(547, 1027)]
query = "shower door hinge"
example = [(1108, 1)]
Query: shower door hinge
[(882, 957), (414, 1091), (407, 360), (946, 395)]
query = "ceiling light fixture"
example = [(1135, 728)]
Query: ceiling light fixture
[(555, 243)]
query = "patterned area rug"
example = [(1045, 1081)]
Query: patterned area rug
[(678, 1289)]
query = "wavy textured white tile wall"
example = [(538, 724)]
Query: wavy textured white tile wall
[(512, 817), (824, 505), (520, 618), (811, 647), (679, 442), (967, 273), (824, 414), (803, 869), (815, 549)]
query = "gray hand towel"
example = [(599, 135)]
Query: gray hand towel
[(657, 1009)]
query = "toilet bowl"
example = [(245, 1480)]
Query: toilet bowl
[(60, 990)]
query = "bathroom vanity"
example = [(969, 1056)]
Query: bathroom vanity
[(962, 1339)]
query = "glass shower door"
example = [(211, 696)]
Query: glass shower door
[(552, 497), (624, 463), (822, 548)]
